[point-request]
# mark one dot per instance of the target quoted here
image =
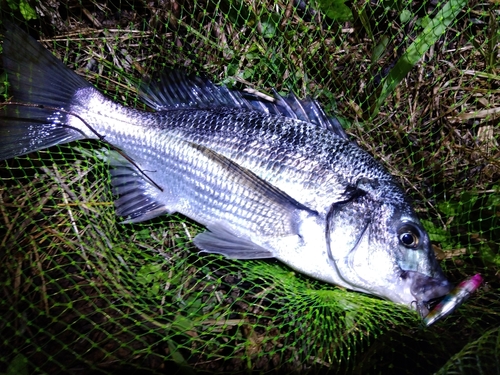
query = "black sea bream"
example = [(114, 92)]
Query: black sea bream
[(268, 179)]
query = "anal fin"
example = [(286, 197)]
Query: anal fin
[(136, 196)]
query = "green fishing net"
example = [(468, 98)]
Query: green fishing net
[(417, 84)]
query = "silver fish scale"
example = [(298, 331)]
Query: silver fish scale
[(310, 164), (192, 182)]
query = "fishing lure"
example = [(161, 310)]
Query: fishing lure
[(454, 299)]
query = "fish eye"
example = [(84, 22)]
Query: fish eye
[(408, 239), (408, 236)]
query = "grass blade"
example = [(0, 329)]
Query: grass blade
[(434, 29)]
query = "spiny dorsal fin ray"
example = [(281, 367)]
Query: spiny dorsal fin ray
[(176, 90)]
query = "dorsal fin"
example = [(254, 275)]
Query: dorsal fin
[(176, 90), (307, 110)]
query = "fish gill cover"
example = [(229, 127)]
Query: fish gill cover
[(414, 84)]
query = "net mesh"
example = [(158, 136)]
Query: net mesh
[(414, 83)]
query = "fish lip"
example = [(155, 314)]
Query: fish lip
[(426, 288)]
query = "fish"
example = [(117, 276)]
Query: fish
[(271, 178)]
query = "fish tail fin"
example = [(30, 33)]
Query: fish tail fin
[(45, 87)]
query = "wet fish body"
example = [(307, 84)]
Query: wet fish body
[(268, 179)]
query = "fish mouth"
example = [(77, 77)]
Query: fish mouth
[(425, 288)]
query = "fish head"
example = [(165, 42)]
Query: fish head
[(377, 245), (419, 271)]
